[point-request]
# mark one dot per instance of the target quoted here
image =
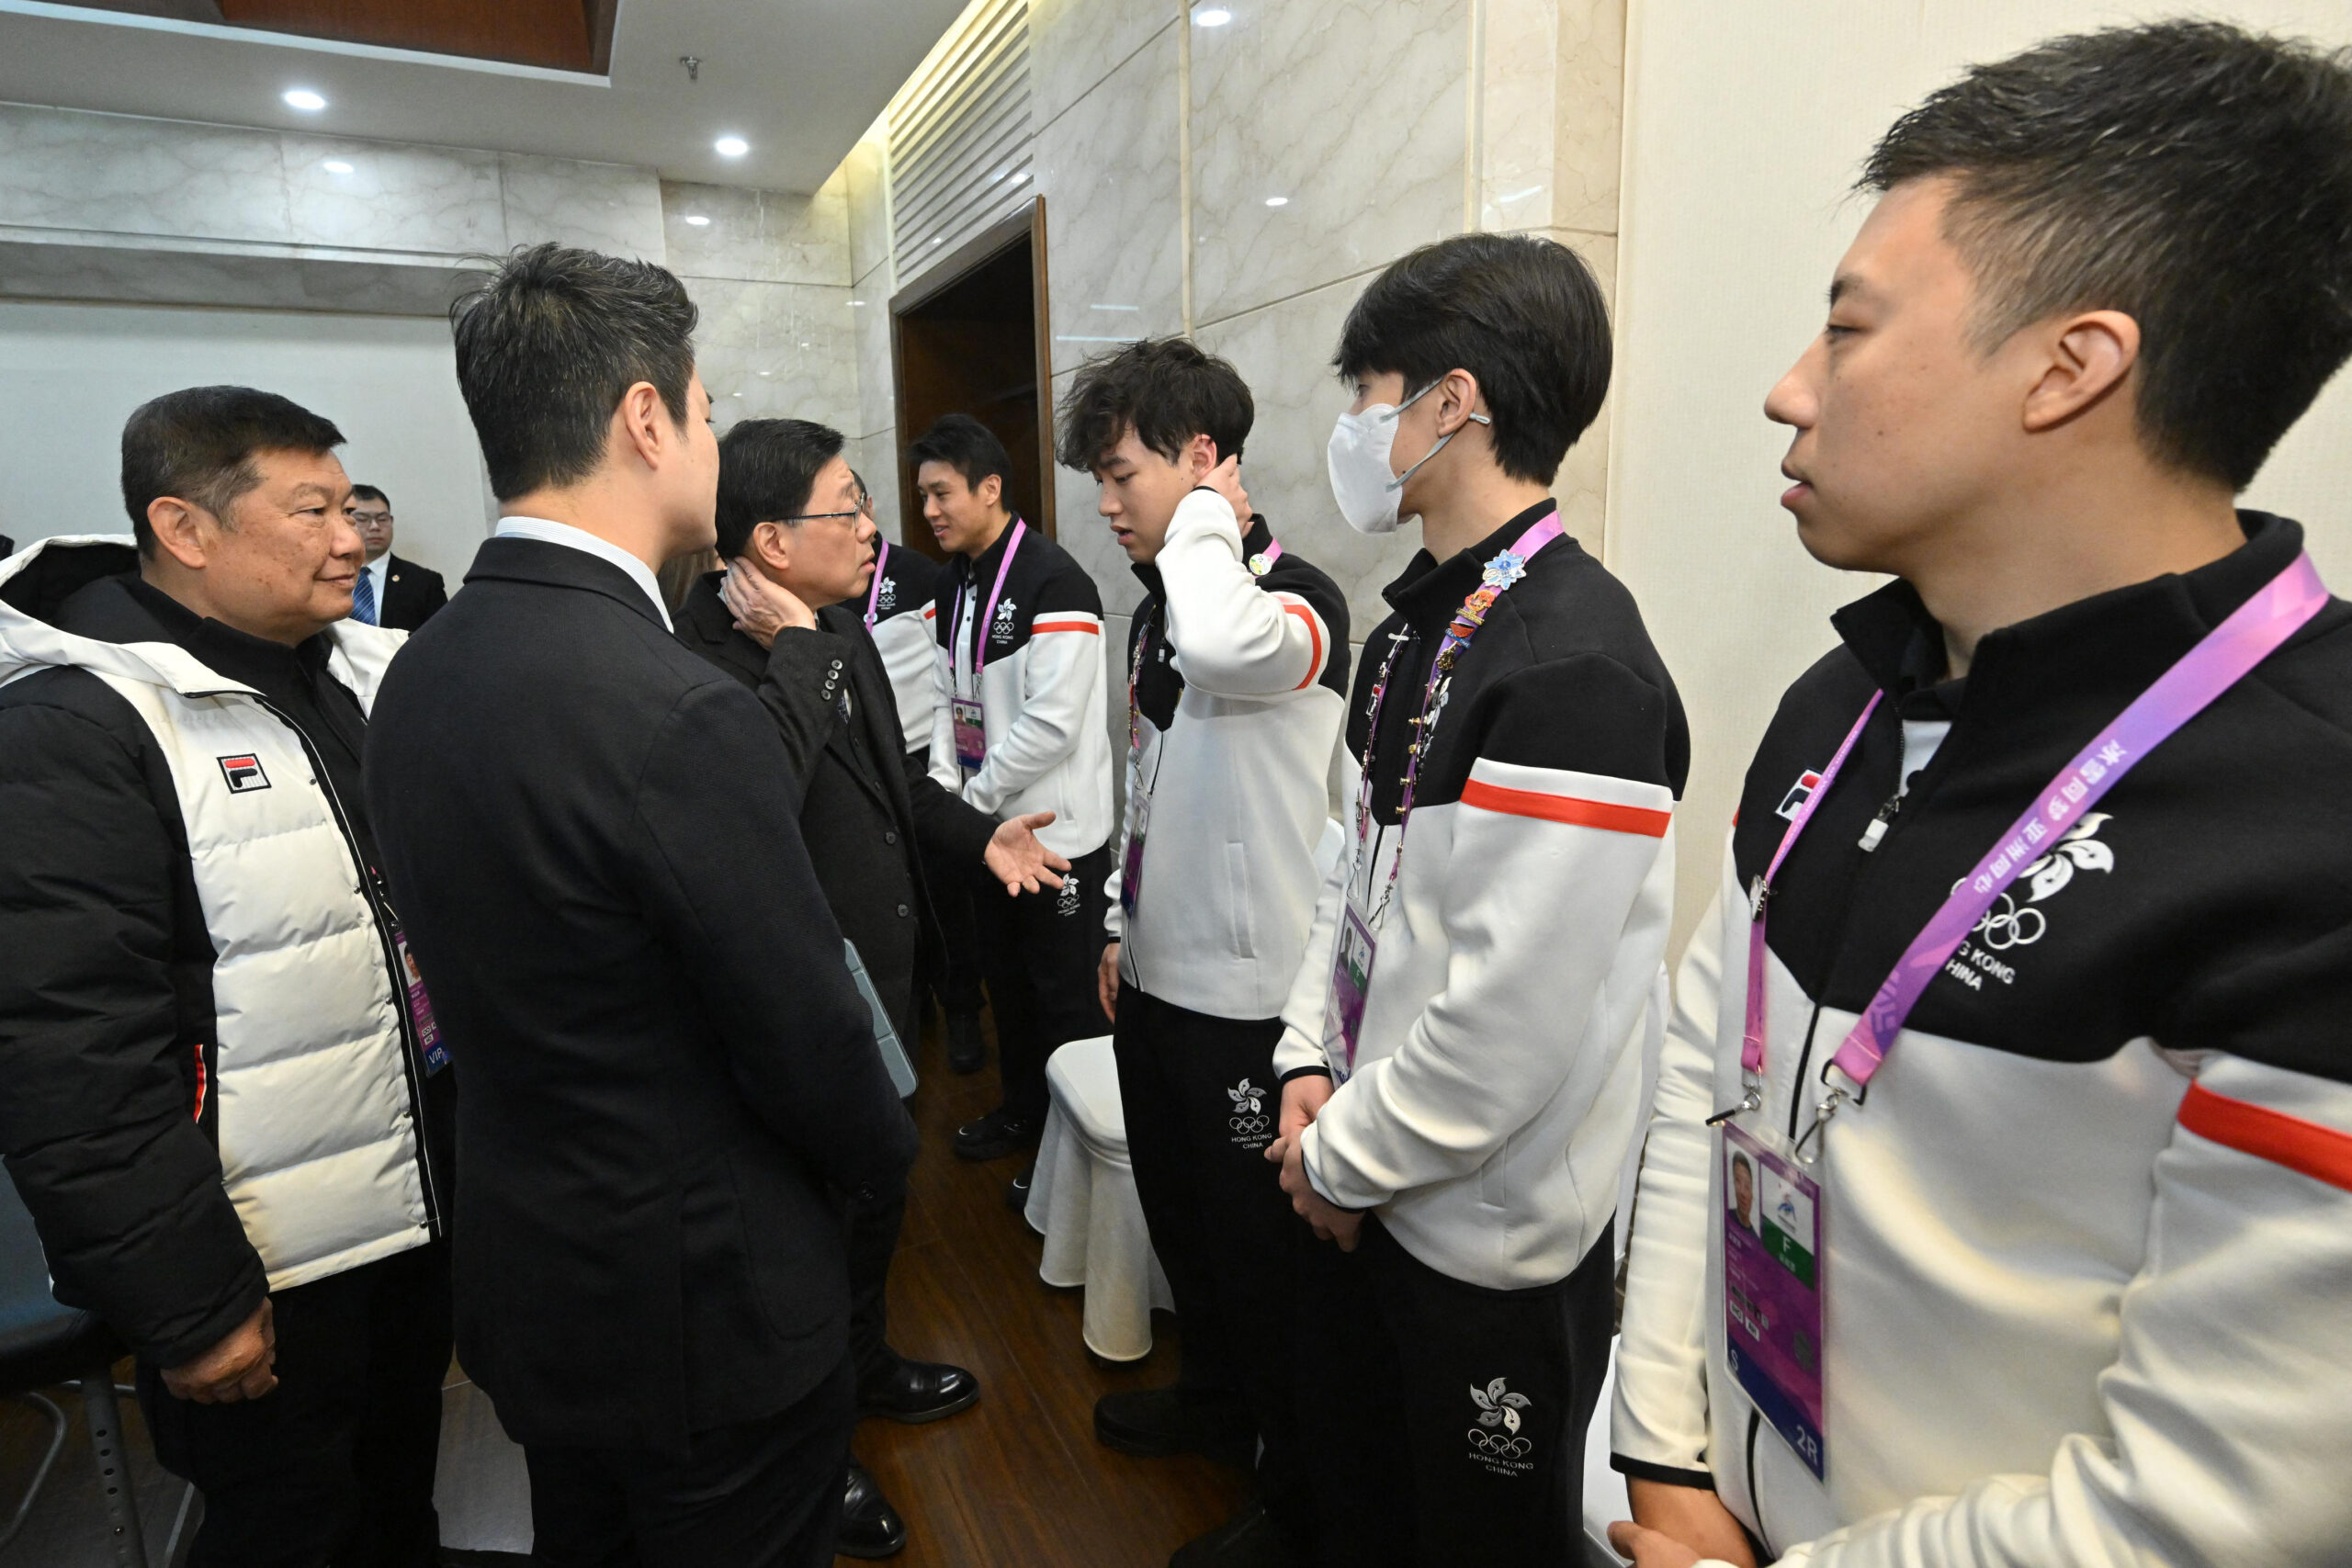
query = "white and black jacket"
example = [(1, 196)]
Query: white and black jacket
[(2088, 1238), (1040, 687), (905, 607), (1238, 700), (1499, 1074), (211, 1087)]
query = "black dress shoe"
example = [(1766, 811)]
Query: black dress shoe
[(870, 1526), (917, 1392), (995, 1135), (1154, 1422), (966, 1051), (1016, 1193), (1248, 1539)]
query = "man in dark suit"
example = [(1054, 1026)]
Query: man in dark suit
[(665, 1068), (790, 522), (390, 591)]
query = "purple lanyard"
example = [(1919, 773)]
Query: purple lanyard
[(980, 643), (874, 590), (2218, 663), (1500, 573)]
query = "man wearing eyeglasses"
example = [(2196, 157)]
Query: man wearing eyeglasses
[(786, 619), (390, 591)]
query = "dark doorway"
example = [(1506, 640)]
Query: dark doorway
[(969, 338)]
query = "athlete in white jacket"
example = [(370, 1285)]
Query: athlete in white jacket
[(1236, 679), (2021, 1016)]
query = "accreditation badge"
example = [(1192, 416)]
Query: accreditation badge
[(971, 734), (1772, 1290), (1131, 860), (1350, 983)]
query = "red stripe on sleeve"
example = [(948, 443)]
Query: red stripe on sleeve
[(1567, 808), (1087, 626), (1314, 631), (2321, 1153)]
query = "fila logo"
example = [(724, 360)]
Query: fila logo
[(243, 774), (1799, 793)]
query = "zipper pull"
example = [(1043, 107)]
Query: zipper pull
[(1880, 823)]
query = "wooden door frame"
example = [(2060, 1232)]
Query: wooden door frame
[(1028, 222)]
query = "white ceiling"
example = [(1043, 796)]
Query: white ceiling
[(800, 80)]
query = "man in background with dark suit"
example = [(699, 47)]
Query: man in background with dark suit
[(390, 591), (665, 1067), (784, 620)]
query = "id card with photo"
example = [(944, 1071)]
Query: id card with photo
[(971, 734), (420, 1008), (1350, 983), (1772, 1290)]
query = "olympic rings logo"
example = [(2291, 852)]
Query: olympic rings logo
[(1249, 1123), (2005, 926), (1494, 1445)]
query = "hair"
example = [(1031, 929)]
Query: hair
[(370, 493), (199, 446), (548, 346), (1521, 313), (766, 470), (2194, 175), (966, 446), (1167, 390)]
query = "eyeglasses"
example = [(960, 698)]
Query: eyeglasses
[(819, 517)]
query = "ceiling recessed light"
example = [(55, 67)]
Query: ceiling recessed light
[(1212, 16), (699, 220), (335, 166), (304, 99), (731, 146), (1278, 201)]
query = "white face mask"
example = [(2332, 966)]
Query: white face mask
[(1363, 481)]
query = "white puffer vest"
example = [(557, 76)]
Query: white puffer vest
[(315, 1113)]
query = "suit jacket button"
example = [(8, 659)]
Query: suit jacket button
[(889, 836), (904, 911)]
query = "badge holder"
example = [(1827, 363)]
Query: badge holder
[(1772, 1290), (971, 734)]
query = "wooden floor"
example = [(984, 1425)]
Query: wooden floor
[(1016, 1482)]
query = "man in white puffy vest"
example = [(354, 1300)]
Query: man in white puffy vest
[(226, 1107)]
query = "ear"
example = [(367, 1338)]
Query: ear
[(2089, 357), (771, 545), (1456, 398), (180, 530), (643, 426), (990, 490), (1200, 457)]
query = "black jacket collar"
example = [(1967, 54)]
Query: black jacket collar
[(1432, 589), (2118, 641), (128, 609), (512, 558), (975, 567)]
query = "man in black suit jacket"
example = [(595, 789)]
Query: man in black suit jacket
[(664, 1064), (790, 522), (392, 591)]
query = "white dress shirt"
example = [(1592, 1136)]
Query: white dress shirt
[(548, 533)]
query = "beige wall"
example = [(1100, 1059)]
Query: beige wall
[(1157, 143), (1745, 125)]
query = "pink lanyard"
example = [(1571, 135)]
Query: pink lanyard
[(1501, 572), (874, 590), (2219, 662), (980, 643)]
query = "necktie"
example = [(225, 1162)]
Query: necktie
[(363, 597)]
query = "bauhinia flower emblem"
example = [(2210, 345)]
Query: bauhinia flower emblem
[(1247, 1099), (2076, 852), (1499, 1406)]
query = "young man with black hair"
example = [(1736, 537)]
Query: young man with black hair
[(800, 549), (2031, 1011), (1236, 685), (1019, 729), (1460, 1055), (390, 591), (593, 837), (230, 1127)]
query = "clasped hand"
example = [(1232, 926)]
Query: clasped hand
[(1303, 1099)]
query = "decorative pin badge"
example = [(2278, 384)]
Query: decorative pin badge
[(1504, 569), (1259, 565)]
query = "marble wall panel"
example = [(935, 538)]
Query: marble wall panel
[(1582, 485), (1519, 81), (386, 196), (1351, 115), (877, 391), (1110, 170), (1589, 114), (805, 238), (726, 244), (1080, 529), (118, 174), (1074, 44), (1284, 350), (602, 207), (876, 459), (869, 207), (53, 269), (807, 353)]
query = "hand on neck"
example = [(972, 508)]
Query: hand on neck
[(2029, 555)]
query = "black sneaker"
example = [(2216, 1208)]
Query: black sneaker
[(870, 1526), (1154, 1422), (995, 1135), (968, 1051), (1016, 1194), (1248, 1539)]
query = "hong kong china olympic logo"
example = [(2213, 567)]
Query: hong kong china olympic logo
[(2008, 923), (1496, 1436), (1249, 1107)]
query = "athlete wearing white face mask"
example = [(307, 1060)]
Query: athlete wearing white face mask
[(1460, 1077)]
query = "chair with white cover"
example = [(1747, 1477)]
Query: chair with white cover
[(1082, 1201)]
